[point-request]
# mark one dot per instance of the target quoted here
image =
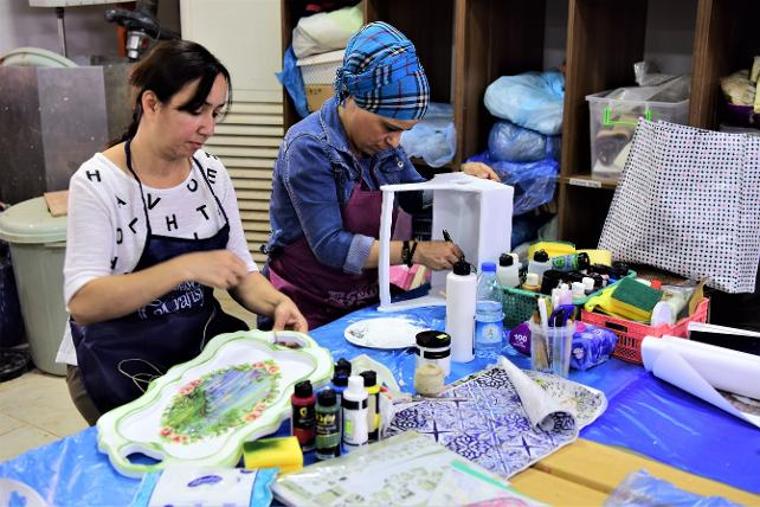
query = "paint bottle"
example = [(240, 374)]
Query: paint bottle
[(328, 424), (461, 287), (508, 272), (532, 283), (341, 372), (302, 421), (354, 405), (539, 264), (572, 262), (373, 404), (588, 285)]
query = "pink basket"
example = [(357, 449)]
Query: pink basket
[(631, 334)]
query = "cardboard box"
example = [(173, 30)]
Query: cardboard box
[(317, 94)]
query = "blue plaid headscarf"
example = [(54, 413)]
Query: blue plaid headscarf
[(382, 73)]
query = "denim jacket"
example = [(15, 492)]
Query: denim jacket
[(314, 175)]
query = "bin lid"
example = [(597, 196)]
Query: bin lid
[(31, 222)]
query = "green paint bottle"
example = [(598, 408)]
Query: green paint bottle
[(328, 428)]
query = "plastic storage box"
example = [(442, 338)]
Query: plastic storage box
[(631, 334), (318, 74), (613, 122)]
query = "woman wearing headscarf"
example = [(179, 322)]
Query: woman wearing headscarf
[(326, 203)]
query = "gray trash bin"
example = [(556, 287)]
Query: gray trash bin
[(38, 243)]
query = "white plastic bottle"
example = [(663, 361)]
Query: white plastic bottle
[(354, 408), (461, 286), (508, 272), (539, 264)]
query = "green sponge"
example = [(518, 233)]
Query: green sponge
[(636, 298)]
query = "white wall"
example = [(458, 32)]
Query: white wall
[(87, 32)]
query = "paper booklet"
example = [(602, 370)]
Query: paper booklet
[(406, 470)]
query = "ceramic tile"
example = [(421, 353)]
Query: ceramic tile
[(8, 423), (22, 439), (486, 423), (42, 401)]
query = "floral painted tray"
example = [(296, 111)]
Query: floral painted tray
[(202, 411)]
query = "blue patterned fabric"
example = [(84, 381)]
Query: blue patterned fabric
[(382, 73)]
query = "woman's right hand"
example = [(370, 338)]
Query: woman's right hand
[(220, 269), (437, 254)]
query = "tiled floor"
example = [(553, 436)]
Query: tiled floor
[(35, 409)]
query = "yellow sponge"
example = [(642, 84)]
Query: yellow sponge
[(599, 256), (553, 248), (283, 453)]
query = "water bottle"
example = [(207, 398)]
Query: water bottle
[(489, 314)]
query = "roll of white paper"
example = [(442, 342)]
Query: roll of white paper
[(724, 369)]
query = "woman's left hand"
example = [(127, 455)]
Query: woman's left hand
[(287, 316), (480, 170)]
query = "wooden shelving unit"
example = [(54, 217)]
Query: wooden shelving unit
[(604, 39), (466, 44)]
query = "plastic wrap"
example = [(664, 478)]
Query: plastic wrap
[(534, 182), (509, 142), (435, 141), (645, 415), (642, 489), (533, 100), (291, 79)]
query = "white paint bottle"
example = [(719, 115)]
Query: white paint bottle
[(461, 288), (354, 408)]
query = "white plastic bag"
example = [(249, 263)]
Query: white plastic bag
[(326, 31)]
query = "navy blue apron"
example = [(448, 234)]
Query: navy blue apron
[(118, 358)]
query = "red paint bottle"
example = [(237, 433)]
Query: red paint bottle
[(303, 421)]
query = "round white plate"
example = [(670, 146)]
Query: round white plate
[(383, 333), (14, 492)]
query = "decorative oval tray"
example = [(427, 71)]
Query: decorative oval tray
[(238, 389)]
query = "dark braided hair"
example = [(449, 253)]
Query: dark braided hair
[(166, 69)]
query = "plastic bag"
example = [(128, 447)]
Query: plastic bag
[(291, 79), (534, 182), (532, 100), (642, 489), (435, 141), (507, 141), (326, 31)]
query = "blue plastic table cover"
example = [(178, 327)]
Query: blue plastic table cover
[(645, 415)]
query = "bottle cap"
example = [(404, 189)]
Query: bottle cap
[(531, 279), (506, 260), (370, 378), (540, 256), (327, 397), (343, 366), (588, 283), (461, 267), (433, 339), (584, 261), (656, 284), (303, 389), (488, 266), (340, 379)]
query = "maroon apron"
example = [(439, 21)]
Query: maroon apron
[(323, 293)]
